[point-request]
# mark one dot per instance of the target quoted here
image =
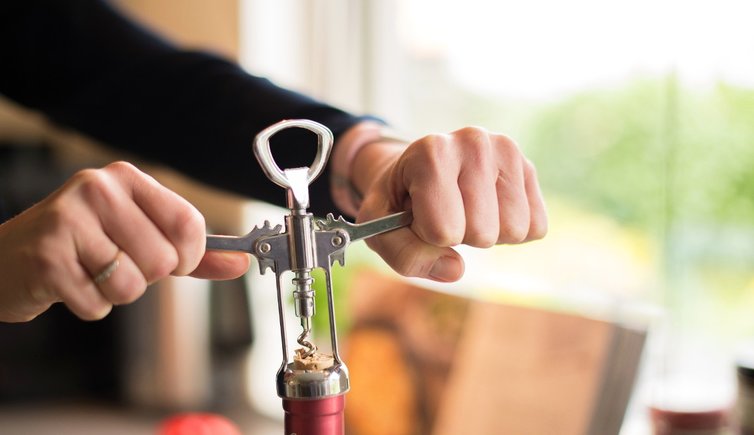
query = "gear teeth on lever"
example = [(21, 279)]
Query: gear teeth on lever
[(330, 223), (243, 243), (366, 229)]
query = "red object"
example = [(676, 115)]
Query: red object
[(315, 416), (672, 422), (198, 424)]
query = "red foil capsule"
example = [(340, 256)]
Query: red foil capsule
[(315, 416)]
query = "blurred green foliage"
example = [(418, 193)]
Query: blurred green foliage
[(650, 153), (674, 162)]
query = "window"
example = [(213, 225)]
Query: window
[(640, 118)]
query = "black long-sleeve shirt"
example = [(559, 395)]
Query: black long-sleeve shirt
[(87, 67)]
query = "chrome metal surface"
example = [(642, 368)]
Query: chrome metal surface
[(264, 155), (366, 229), (293, 383), (247, 243), (304, 245)]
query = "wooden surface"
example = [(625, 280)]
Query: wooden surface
[(524, 371), (424, 362), (211, 25)]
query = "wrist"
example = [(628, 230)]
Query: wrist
[(359, 157), (373, 160)]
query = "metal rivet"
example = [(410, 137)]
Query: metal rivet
[(264, 248), (337, 240)]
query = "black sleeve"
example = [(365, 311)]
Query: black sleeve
[(87, 67)]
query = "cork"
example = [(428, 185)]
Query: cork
[(315, 362)]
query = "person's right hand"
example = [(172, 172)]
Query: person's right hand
[(469, 186), (52, 251)]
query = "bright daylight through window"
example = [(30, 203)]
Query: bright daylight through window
[(640, 118)]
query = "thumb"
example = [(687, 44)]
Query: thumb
[(222, 265), (409, 255)]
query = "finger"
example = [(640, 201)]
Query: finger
[(477, 185), (125, 282), (127, 225), (481, 212), (513, 204), (77, 290), (140, 239), (96, 252), (436, 199), (63, 276), (408, 255), (178, 220), (537, 209), (86, 302), (220, 265)]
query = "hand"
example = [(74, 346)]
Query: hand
[(469, 186), (53, 251)]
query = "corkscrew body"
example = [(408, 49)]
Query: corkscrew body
[(311, 383)]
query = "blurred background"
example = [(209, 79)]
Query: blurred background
[(637, 114), (638, 117)]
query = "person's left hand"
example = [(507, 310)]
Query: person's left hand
[(468, 187)]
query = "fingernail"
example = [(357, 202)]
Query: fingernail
[(446, 269)]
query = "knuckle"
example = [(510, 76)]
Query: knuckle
[(513, 232), (122, 167), (428, 157), (476, 143), (125, 172), (188, 224), (84, 175), (506, 145), (96, 187), (478, 149), (481, 239), (131, 290), (538, 229), (443, 236), (189, 235), (432, 140), (436, 146), (536, 235), (94, 310), (90, 176), (472, 133), (161, 266)]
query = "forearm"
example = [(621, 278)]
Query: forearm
[(87, 67)]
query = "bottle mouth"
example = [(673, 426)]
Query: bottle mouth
[(297, 381)]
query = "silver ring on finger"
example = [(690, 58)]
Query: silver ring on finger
[(108, 270)]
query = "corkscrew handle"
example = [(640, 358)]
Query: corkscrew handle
[(272, 170)]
